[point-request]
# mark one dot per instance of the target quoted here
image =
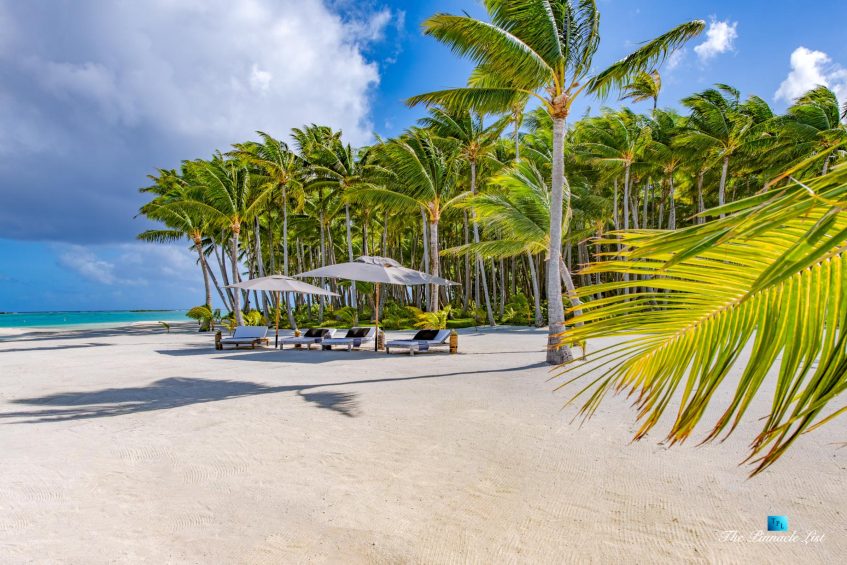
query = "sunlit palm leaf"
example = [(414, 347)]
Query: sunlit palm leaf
[(772, 276)]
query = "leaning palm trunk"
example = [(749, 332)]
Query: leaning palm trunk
[(557, 352), (427, 288), (198, 245), (350, 258), (236, 296), (479, 262), (288, 310), (722, 190), (536, 292), (576, 303), (260, 263), (671, 205)]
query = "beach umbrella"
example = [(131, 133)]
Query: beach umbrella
[(378, 270), (278, 284)]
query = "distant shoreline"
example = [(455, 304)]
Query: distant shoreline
[(2, 312), (87, 318)]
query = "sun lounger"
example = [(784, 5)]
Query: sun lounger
[(313, 336), (356, 337), (247, 335), (424, 340)]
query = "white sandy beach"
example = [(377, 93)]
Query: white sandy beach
[(134, 445)]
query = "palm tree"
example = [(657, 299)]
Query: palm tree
[(520, 212), (644, 86), (615, 142), (341, 169), (542, 49), (812, 127), (717, 127), (283, 170), (225, 195), (181, 221), (476, 142), (771, 272), (663, 154), (424, 175)]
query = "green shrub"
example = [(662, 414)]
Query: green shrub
[(457, 323), (433, 320), (518, 311), (254, 318), (204, 316)]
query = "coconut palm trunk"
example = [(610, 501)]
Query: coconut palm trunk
[(700, 205), (233, 256), (288, 309), (671, 205), (426, 257), (557, 352), (435, 263), (353, 301), (480, 264), (536, 292), (722, 188), (198, 245)]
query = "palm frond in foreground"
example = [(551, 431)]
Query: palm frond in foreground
[(771, 274)]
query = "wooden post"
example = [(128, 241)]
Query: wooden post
[(454, 342), (218, 344)]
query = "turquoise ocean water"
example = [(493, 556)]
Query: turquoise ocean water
[(102, 318)]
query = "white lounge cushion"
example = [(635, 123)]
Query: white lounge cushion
[(308, 339), (353, 336), (248, 333), (440, 339)]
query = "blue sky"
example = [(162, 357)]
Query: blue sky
[(94, 97)]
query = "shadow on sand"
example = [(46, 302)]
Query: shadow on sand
[(176, 392), (54, 347)]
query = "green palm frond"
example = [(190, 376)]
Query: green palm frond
[(771, 276), (651, 54)]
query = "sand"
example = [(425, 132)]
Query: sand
[(135, 445)]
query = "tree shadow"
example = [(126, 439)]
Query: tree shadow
[(144, 328), (176, 392), (342, 402), (53, 347)]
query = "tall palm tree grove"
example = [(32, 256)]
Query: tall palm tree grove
[(543, 49)]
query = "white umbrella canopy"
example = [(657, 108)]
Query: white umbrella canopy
[(281, 283), (278, 284), (379, 270), (376, 270)]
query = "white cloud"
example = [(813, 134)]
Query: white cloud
[(84, 262), (676, 59), (132, 264), (260, 80), (211, 71), (720, 38), (808, 70)]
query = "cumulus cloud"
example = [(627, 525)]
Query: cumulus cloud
[(85, 263), (810, 69), (676, 59), (720, 38), (98, 94), (133, 264)]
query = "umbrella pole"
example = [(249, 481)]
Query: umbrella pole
[(376, 317), (276, 335)]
